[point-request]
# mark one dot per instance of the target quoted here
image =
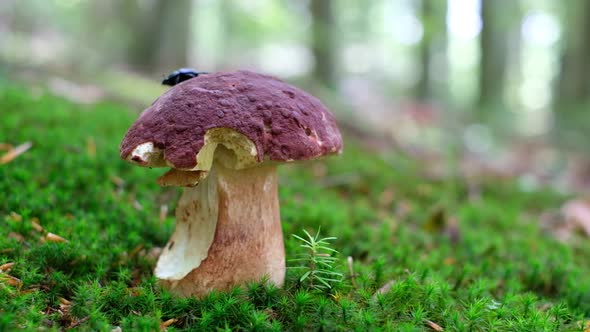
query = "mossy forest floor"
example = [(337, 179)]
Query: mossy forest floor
[(448, 261)]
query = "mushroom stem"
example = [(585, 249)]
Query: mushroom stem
[(228, 232)]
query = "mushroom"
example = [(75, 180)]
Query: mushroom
[(223, 136)]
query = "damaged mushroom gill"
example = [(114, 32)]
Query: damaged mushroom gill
[(228, 227)]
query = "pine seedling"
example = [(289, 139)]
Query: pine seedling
[(318, 262)]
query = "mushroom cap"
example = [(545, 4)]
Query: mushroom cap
[(281, 122)]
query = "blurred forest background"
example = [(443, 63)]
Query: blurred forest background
[(466, 76)]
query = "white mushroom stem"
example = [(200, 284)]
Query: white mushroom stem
[(228, 232)]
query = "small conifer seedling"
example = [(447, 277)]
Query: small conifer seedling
[(318, 262)]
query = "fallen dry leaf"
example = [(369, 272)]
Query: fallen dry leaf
[(6, 267), (449, 261), (433, 325), (117, 181), (64, 304), (54, 238), (36, 225), (577, 213), (13, 216), (15, 152), (137, 205), (30, 290), (16, 236), (572, 217), (64, 301), (167, 323), (10, 280)]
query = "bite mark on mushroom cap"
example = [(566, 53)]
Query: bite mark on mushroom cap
[(238, 152)]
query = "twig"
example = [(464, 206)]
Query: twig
[(15, 152), (433, 325), (351, 271), (384, 289), (163, 212), (78, 322)]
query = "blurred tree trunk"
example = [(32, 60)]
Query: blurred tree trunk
[(229, 34), (323, 41), (143, 25), (159, 33), (499, 18), (433, 18), (573, 83), (175, 34)]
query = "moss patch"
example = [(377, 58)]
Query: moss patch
[(464, 265)]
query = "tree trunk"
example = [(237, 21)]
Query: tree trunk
[(323, 42), (498, 21), (175, 34), (573, 84), (433, 18), (160, 33)]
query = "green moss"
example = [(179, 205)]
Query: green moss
[(500, 273)]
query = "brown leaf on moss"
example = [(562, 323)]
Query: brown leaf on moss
[(572, 218), (10, 280), (30, 290), (449, 261), (6, 267), (50, 237), (64, 305), (13, 216), (577, 213), (37, 226), (117, 181), (16, 236), (167, 323)]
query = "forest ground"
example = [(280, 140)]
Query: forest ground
[(80, 230)]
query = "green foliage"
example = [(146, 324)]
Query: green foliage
[(502, 273), (318, 262)]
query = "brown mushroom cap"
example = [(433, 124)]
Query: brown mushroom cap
[(283, 122)]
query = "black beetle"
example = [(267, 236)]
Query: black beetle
[(181, 75)]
